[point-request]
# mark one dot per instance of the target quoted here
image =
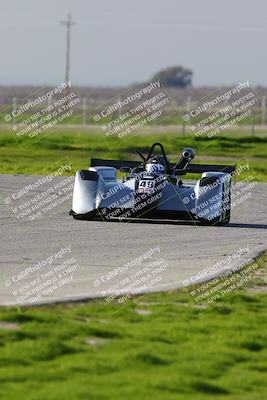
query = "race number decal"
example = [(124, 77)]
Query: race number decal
[(146, 186)]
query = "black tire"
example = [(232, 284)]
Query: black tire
[(90, 216), (227, 206)]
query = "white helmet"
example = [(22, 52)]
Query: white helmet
[(155, 169)]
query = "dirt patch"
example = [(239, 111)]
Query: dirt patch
[(9, 325), (95, 341), (143, 312)]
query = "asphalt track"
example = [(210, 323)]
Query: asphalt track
[(99, 251)]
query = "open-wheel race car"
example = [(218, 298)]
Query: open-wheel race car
[(153, 188)]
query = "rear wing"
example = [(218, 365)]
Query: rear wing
[(192, 168)]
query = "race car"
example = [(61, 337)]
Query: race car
[(152, 188)]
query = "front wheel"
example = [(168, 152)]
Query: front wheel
[(212, 222)]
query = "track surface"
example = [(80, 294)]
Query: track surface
[(100, 247)]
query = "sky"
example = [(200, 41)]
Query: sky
[(121, 42)]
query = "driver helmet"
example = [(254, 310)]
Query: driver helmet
[(156, 166)]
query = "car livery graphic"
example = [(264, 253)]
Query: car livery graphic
[(153, 189)]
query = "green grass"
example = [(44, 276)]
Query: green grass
[(78, 147), (178, 351)]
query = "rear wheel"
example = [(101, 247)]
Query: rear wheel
[(213, 222), (226, 205)]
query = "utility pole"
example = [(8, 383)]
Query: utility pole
[(68, 23)]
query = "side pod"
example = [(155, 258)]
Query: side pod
[(212, 193), (85, 192)]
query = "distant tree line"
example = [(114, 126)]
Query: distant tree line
[(175, 76)]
